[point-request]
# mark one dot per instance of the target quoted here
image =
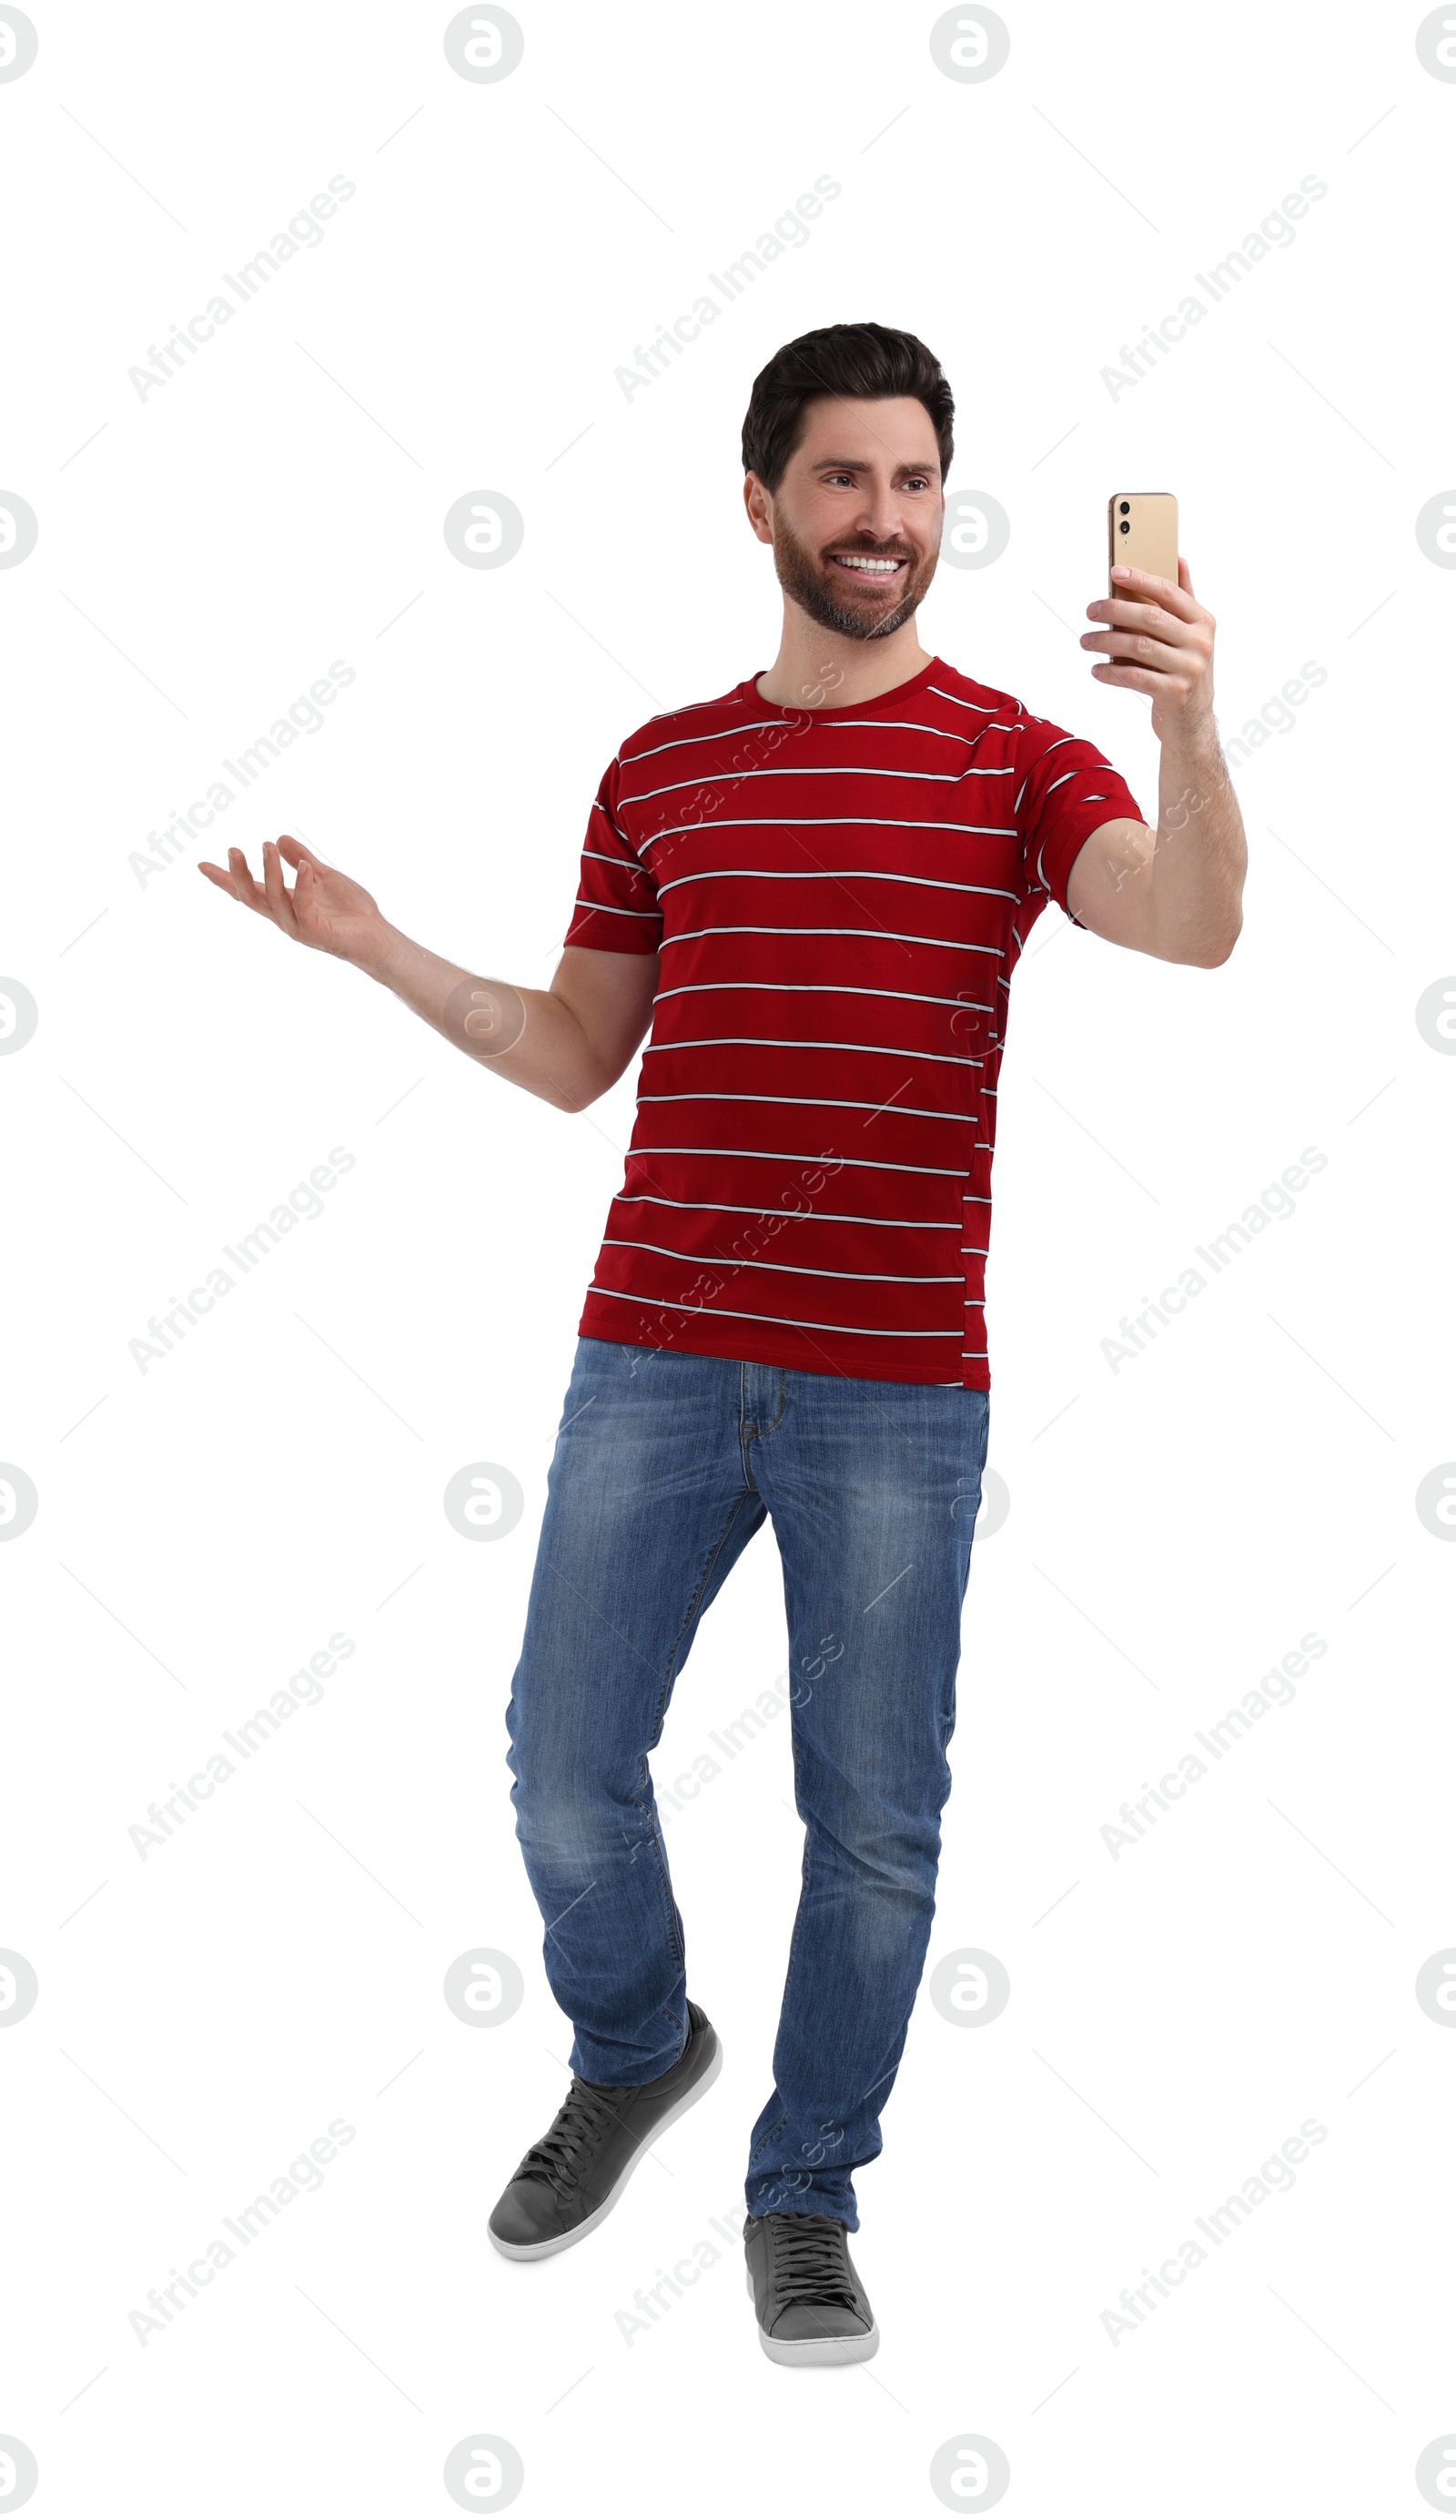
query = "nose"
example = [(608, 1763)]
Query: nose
[(881, 516)]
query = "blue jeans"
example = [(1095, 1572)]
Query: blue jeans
[(666, 1466)]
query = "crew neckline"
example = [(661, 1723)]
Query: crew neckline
[(897, 691)]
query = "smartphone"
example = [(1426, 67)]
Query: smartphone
[(1143, 532)]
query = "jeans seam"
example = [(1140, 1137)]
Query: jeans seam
[(804, 1899), (648, 1809), (665, 1880), (746, 1432), (776, 2129), (798, 1917), (692, 1609)]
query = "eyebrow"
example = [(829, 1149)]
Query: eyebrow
[(861, 464)]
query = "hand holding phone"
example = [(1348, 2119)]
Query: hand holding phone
[(1143, 534), (1157, 638)]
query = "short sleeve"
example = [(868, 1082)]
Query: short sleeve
[(616, 908), (1065, 792)]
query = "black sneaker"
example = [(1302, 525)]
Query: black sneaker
[(572, 2177), (811, 2305)]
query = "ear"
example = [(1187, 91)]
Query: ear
[(759, 505)]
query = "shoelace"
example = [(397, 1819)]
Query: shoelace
[(808, 2262), (566, 2151)]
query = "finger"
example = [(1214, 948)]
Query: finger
[(241, 880), (1133, 678), (296, 854), (1185, 579), (1159, 589), (1158, 659), (280, 908), (1150, 617)]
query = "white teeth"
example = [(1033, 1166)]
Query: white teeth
[(881, 567)]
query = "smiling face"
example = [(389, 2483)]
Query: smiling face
[(856, 520)]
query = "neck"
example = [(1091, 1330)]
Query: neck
[(818, 668)]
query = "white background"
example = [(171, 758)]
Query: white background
[(1174, 1526)]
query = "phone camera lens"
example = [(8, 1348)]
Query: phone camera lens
[(1124, 529), (1123, 509)]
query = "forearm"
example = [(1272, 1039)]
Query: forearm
[(531, 1037), (1173, 890), (1177, 891), (1198, 853)]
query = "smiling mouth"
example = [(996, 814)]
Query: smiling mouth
[(868, 571)]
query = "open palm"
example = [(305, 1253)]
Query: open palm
[(324, 909)]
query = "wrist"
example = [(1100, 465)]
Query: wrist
[(1193, 739), (384, 954)]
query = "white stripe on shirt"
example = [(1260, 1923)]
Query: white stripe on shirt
[(824, 988), (790, 1215), (815, 1103), (877, 935), (768, 1041), (869, 1277), (782, 1320), (789, 1156), (835, 874), (828, 770)]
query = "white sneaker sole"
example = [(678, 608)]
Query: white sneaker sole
[(803, 2349), (568, 2239)]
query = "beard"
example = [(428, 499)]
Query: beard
[(808, 578)]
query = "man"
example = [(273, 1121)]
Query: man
[(815, 888)]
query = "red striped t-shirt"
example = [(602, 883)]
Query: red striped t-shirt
[(838, 897)]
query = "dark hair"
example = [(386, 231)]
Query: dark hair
[(868, 360)]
